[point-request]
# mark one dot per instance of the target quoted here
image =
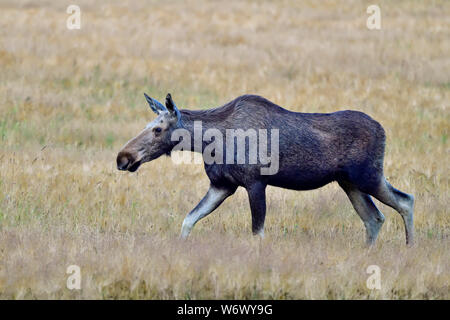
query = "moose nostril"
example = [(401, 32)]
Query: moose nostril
[(122, 162), (124, 165)]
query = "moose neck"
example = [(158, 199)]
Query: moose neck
[(197, 122)]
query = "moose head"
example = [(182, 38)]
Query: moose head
[(154, 140)]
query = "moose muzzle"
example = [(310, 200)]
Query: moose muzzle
[(127, 161)]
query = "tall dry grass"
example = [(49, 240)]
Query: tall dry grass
[(70, 99)]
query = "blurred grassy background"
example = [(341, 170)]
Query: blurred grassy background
[(69, 99)]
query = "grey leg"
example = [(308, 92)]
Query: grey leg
[(402, 202), (213, 198), (370, 215)]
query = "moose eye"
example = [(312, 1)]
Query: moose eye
[(157, 130)]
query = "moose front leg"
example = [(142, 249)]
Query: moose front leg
[(213, 198), (257, 197)]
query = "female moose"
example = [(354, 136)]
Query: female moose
[(314, 150)]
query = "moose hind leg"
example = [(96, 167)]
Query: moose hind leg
[(370, 215), (213, 198), (257, 199), (402, 202)]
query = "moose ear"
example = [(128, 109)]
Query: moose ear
[(170, 105), (155, 105)]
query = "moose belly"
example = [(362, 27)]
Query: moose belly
[(301, 180)]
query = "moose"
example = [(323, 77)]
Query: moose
[(314, 149)]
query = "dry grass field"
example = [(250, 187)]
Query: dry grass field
[(69, 99)]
